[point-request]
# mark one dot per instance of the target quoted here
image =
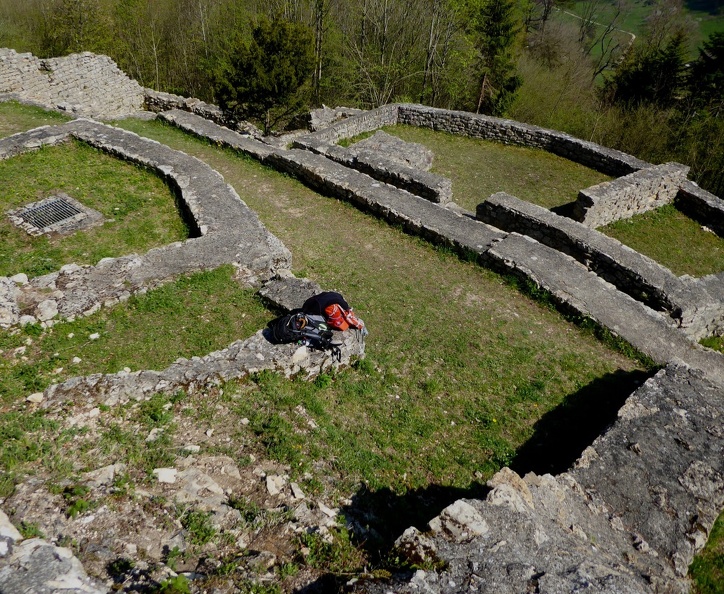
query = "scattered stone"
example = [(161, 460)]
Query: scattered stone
[(192, 448), (20, 279), (35, 398), (94, 336), (275, 483), (460, 521), (37, 566), (165, 475), (416, 547), (7, 529), (326, 510), (154, 434), (47, 309), (76, 360), (297, 492), (26, 319)]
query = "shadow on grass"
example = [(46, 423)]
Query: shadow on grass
[(378, 518), (562, 434)]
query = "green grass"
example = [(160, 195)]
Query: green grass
[(453, 350), (461, 370), (479, 168), (139, 209), (16, 117), (190, 317), (706, 15), (672, 239), (707, 570)]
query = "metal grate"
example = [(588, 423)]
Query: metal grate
[(49, 213)]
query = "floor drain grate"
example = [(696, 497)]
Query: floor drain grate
[(51, 213), (58, 214)]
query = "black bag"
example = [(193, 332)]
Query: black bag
[(306, 329)]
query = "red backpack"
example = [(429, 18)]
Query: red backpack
[(335, 310)]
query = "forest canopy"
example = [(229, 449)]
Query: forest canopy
[(642, 76)]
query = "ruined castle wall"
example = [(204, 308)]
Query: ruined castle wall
[(347, 128), (81, 84), (688, 304), (605, 160), (227, 230), (629, 195), (702, 206)]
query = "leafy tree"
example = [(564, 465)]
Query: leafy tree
[(495, 28), (266, 77)]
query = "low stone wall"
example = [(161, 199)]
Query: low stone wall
[(505, 542), (430, 186), (629, 195), (572, 286), (605, 160), (82, 84), (688, 304), (240, 359), (702, 206), (226, 231), (352, 126)]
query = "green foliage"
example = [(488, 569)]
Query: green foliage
[(175, 585), (707, 569), (156, 412), (266, 77), (76, 502), (198, 523), (338, 556), (30, 530), (650, 74), (495, 26)]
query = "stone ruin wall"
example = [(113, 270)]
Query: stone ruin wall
[(669, 431), (80, 84), (629, 195), (685, 300)]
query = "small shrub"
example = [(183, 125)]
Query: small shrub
[(339, 556), (174, 585), (74, 495), (198, 523), (172, 556), (30, 530)]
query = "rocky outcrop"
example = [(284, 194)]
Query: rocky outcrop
[(628, 517)]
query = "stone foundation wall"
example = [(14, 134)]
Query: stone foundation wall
[(702, 206), (352, 126), (81, 84), (629, 195), (609, 161), (687, 303), (226, 231)]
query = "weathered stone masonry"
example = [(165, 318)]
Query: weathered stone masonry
[(536, 532), (641, 500), (81, 84), (227, 232), (685, 300)]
